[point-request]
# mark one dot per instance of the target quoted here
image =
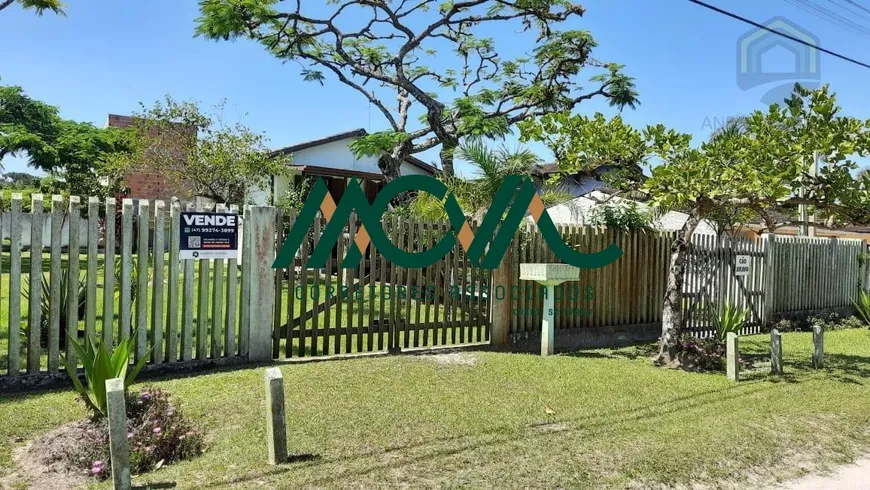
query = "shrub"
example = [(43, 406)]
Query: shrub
[(862, 306), (157, 433), (101, 366), (731, 320), (702, 354), (45, 303)]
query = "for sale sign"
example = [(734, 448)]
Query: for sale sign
[(209, 235)]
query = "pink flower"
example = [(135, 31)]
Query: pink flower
[(157, 430), (96, 470)]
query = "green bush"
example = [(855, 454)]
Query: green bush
[(101, 366), (45, 304), (862, 306), (731, 320)]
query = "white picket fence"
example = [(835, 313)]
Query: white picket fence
[(178, 310)]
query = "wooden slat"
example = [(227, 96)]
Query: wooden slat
[(125, 308), (187, 301), (303, 302), (173, 279), (14, 347), (407, 233), (91, 279), (142, 280), (382, 280), (359, 296), (339, 300), (217, 302), (157, 278), (232, 287), (202, 306), (109, 273), (291, 296), (315, 287), (34, 310), (57, 219), (72, 293), (245, 299), (328, 296), (369, 294)]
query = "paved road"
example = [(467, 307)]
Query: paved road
[(852, 477)]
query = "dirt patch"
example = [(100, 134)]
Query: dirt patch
[(47, 461), (451, 359)]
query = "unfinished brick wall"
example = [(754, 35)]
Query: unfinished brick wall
[(143, 182)]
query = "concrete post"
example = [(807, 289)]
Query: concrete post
[(818, 347), (548, 324), (261, 238), (120, 453), (500, 318), (732, 359), (276, 428), (775, 352)]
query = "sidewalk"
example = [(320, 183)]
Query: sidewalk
[(855, 476)]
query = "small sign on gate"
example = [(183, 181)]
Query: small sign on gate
[(742, 265), (209, 235)]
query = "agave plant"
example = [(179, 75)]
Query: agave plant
[(45, 303), (101, 366), (862, 306), (731, 320)]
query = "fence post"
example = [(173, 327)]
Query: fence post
[(500, 322), (775, 352), (260, 231), (118, 449), (769, 286), (276, 428), (818, 347), (732, 359)]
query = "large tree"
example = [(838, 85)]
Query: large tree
[(201, 151), (73, 152), (763, 169), (435, 58), (40, 6)]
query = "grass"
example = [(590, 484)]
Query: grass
[(408, 421)]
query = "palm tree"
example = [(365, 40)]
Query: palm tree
[(491, 167)]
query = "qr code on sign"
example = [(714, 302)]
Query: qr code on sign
[(194, 242)]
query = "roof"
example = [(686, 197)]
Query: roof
[(356, 133)]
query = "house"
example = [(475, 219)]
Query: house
[(579, 210), (580, 183), (331, 159)]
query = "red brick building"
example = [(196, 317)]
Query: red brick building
[(145, 183)]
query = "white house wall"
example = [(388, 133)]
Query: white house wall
[(337, 155)]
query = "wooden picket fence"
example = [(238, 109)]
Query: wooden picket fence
[(626, 292), (379, 306), (123, 275), (794, 274), (127, 278)]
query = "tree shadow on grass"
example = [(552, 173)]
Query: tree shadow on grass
[(432, 448), (631, 352)]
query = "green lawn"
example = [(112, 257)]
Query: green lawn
[(408, 421)]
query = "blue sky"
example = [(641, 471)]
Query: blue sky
[(107, 56)]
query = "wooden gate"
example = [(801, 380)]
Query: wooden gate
[(379, 306), (723, 271)]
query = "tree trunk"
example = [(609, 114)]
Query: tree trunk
[(448, 148), (391, 166), (672, 309)]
